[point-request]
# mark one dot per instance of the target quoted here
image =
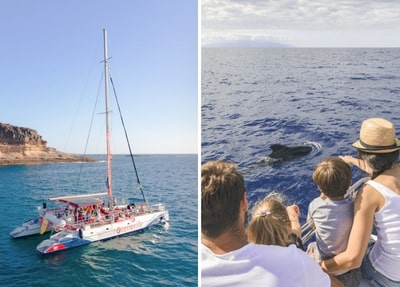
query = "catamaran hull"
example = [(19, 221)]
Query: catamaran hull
[(67, 239), (29, 228)]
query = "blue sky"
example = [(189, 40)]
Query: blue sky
[(51, 72), (300, 23)]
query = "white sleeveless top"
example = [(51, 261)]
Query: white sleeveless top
[(385, 255)]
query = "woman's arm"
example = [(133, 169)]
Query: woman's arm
[(361, 164), (365, 206)]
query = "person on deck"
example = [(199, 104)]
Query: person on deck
[(377, 204), (227, 258), (331, 214)]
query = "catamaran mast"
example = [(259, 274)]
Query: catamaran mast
[(109, 186)]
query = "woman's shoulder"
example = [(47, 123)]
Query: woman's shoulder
[(387, 183), (369, 197)]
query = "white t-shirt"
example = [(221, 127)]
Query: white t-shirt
[(261, 265)]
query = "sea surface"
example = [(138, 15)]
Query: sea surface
[(155, 257), (252, 98)]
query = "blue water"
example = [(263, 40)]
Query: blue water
[(156, 257), (252, 98)]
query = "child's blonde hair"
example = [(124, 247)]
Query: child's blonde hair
[(270, 222)]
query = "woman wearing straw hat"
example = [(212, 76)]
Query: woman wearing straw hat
[(377, 205)]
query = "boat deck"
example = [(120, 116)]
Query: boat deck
[(117, 214)]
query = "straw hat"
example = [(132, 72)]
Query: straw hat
[(377, 135)]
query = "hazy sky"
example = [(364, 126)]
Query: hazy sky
[(51, 72), (301, 23)]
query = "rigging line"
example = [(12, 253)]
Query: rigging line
[(127, 139), (90, 126)]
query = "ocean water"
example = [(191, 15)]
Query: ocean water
[(155, 257), (252, 98)]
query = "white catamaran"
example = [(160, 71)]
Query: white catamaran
[(87, 218)]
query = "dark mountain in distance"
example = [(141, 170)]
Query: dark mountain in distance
[(247, 44)]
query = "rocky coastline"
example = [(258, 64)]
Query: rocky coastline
[(19, 145)]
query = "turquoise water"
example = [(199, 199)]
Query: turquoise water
[(155, 257)]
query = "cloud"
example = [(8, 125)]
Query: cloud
[(283, 21)]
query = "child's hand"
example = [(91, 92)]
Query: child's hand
[(293, 211), (313, 251)]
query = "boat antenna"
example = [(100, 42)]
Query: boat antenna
[(109, 185)]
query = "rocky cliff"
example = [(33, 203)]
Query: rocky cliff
[(20, 145)]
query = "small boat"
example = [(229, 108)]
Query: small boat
[(92, 217)]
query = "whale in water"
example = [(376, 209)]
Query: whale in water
[(285, 153)]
